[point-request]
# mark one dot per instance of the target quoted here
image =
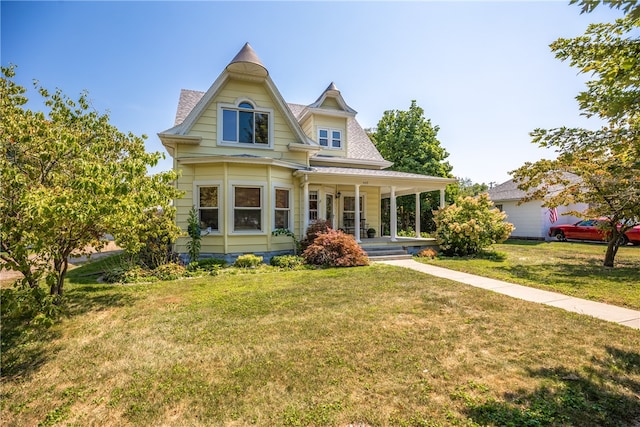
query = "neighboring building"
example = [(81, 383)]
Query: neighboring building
[(250, 163), (531, 219)]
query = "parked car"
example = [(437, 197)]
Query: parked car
[(591, 229)]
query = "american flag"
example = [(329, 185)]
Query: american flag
[(553, 215)]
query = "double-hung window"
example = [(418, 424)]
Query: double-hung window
[(282, 210), (247, 208), (245, 124), (313, 205), (208, 210), (330, 138)]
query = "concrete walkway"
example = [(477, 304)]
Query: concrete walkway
[(611, 313)]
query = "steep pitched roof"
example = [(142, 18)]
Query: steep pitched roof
[(192, 104), (188, 100), (359, 145), (332, 92)]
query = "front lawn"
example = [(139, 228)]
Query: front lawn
[(368, 346), (570, 268)]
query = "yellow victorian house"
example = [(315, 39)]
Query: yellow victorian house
[(250, 164)]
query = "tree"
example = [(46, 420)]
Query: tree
[(466, 187), (606, 160), (409, 140), (69, 177)]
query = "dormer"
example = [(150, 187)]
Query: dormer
[(326, 121)]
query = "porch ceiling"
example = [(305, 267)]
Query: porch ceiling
[(404, 183)]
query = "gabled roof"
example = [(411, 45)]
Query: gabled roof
[(332, 92), (506, 191), (509, 190), (245, 64)]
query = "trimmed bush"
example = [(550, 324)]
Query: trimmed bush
[(335, 249), (470, 225), (248, 261), (286, 261), (315, 228)]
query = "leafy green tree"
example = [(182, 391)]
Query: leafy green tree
[(410, 141), (470, 225), (68, 177), (606, 160), (466, 187)]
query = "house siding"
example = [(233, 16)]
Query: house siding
[(206, 126), (227, 175)]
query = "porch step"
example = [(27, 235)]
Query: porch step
[(386, 253)]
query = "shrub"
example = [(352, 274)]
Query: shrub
[(193, 230), (335, 249), (427, 253), (410, 233), (208, 264), (127, 274), (287, 261), (248, 261), (156, 235), (315, 228), (170, 271), (469, 225)]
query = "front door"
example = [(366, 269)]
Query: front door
[(329, 209)]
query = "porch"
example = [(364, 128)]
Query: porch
[(346, 196)]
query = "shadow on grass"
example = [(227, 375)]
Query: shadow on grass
[(568, 273), (29, 336), (25, 345), (606, 395)]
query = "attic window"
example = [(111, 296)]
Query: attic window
[(330, 138), (245, 124)]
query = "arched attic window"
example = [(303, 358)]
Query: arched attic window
[(245, 123)]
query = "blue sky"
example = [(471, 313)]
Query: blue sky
[(482, 71)]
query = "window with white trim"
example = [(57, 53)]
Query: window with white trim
[(313, 205), (247, 208), (330, 138), (208, 207), (245, 124), (282, 210)]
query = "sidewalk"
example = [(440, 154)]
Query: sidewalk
[(611, 313)]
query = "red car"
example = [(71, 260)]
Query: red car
[(590, 229)]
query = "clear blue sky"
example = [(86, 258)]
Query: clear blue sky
[(482, 71)]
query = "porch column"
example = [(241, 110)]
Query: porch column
[(418, 215), (394, 216), (305, 206), (442, 198), (356, 233)]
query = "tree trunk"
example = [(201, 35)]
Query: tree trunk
[(612, 248), (60, 266)]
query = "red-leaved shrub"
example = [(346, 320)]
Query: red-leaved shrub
[(315, 228), (335, 249)]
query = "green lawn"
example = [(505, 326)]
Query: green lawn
[(571, 268), (368, 346)]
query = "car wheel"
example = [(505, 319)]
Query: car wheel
[(623, 240), (560, 236)]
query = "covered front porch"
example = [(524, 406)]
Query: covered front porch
[(350, 199)]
